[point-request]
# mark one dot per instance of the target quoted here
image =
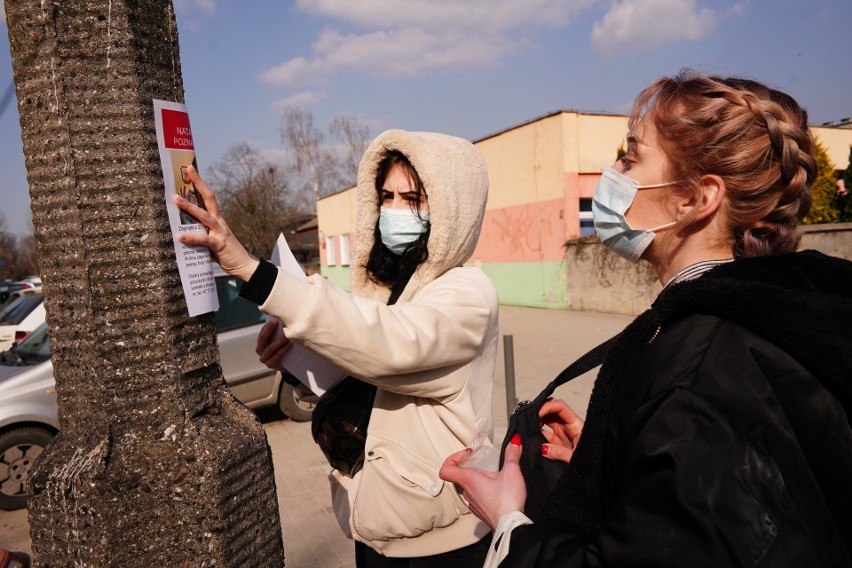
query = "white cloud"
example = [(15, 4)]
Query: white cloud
[(296, 71), (403, 52), (410, 51), (279, 156), (409, 38), (193, 12), (738, 8), (648, 24), (188, 6), (303, 99), (441, 14)]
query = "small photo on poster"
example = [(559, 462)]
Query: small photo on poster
[(183, 185)]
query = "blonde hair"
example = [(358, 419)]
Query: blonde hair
[(756, 139)]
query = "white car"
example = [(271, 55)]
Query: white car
[(9, 288), (19, 317), (28, 397)]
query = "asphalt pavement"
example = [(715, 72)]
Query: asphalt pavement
[(543, 343)]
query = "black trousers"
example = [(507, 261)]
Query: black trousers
[(471, 556)]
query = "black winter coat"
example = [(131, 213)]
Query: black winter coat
[(718, 432)]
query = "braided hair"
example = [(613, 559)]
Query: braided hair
[(755, 138)]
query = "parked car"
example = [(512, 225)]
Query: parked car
[(27, 413), (238, 322), (28, 397), (19, 317), (7, 288), (34, 281)]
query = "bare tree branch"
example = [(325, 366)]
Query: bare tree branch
[(312, 158), (356, 137), (256, 198)]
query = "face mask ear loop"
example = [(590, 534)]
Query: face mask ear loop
[(661, 227), (656, 185)]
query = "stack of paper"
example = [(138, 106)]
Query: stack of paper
[(312, 370)]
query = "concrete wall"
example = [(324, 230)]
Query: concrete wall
[(834, 239), (600, 281)]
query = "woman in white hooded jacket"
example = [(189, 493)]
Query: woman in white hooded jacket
[(431, 353)]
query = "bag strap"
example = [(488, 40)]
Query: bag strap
[(524, 419), (584, 364)]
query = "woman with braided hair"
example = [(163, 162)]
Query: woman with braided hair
[(718, 430)]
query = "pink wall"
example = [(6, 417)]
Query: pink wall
[(533, 232), (583, 185), (576, 186)]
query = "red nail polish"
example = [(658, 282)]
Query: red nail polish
[(469, 450), (516, 440), (544, 449)]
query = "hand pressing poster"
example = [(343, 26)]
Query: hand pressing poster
[(174, 138)]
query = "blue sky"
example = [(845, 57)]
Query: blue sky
[(466, 67)]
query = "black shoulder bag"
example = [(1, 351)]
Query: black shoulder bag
[(541, 474), (339, 423)]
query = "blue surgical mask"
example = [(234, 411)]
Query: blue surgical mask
[(401, 227), (613, 197)]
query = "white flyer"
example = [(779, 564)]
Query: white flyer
[(312, 370), (174, 138)]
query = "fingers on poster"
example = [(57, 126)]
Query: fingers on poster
[(177, 152)]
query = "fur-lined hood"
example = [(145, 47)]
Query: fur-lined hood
[(456, 182)]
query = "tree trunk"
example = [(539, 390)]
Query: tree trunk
[(156, 464)]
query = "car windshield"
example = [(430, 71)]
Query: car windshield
[(234, 311), (34, 348), (18, 309)]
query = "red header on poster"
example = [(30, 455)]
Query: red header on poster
[(176, 130)]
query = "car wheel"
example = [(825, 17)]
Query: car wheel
[(18, 450), (297, 410)]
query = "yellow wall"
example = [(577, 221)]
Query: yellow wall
[(836, 142), (527, 164), (524, 163), (336, 216), (336, 213), (598, 137)]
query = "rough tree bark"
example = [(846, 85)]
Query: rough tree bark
[(156, 464)]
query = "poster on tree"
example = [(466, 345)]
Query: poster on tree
[(174, 138)]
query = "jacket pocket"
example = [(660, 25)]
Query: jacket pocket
[(401, 496)]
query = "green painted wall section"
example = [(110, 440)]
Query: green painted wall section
[(531, 284), (338, 275)]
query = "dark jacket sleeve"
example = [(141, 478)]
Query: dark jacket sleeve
[(260, 284), (547, 544), (704, 466)]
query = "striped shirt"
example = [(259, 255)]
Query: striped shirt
[(693, 271)]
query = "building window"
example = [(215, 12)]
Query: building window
[(587, 225), (330, 257), (344, 250)]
